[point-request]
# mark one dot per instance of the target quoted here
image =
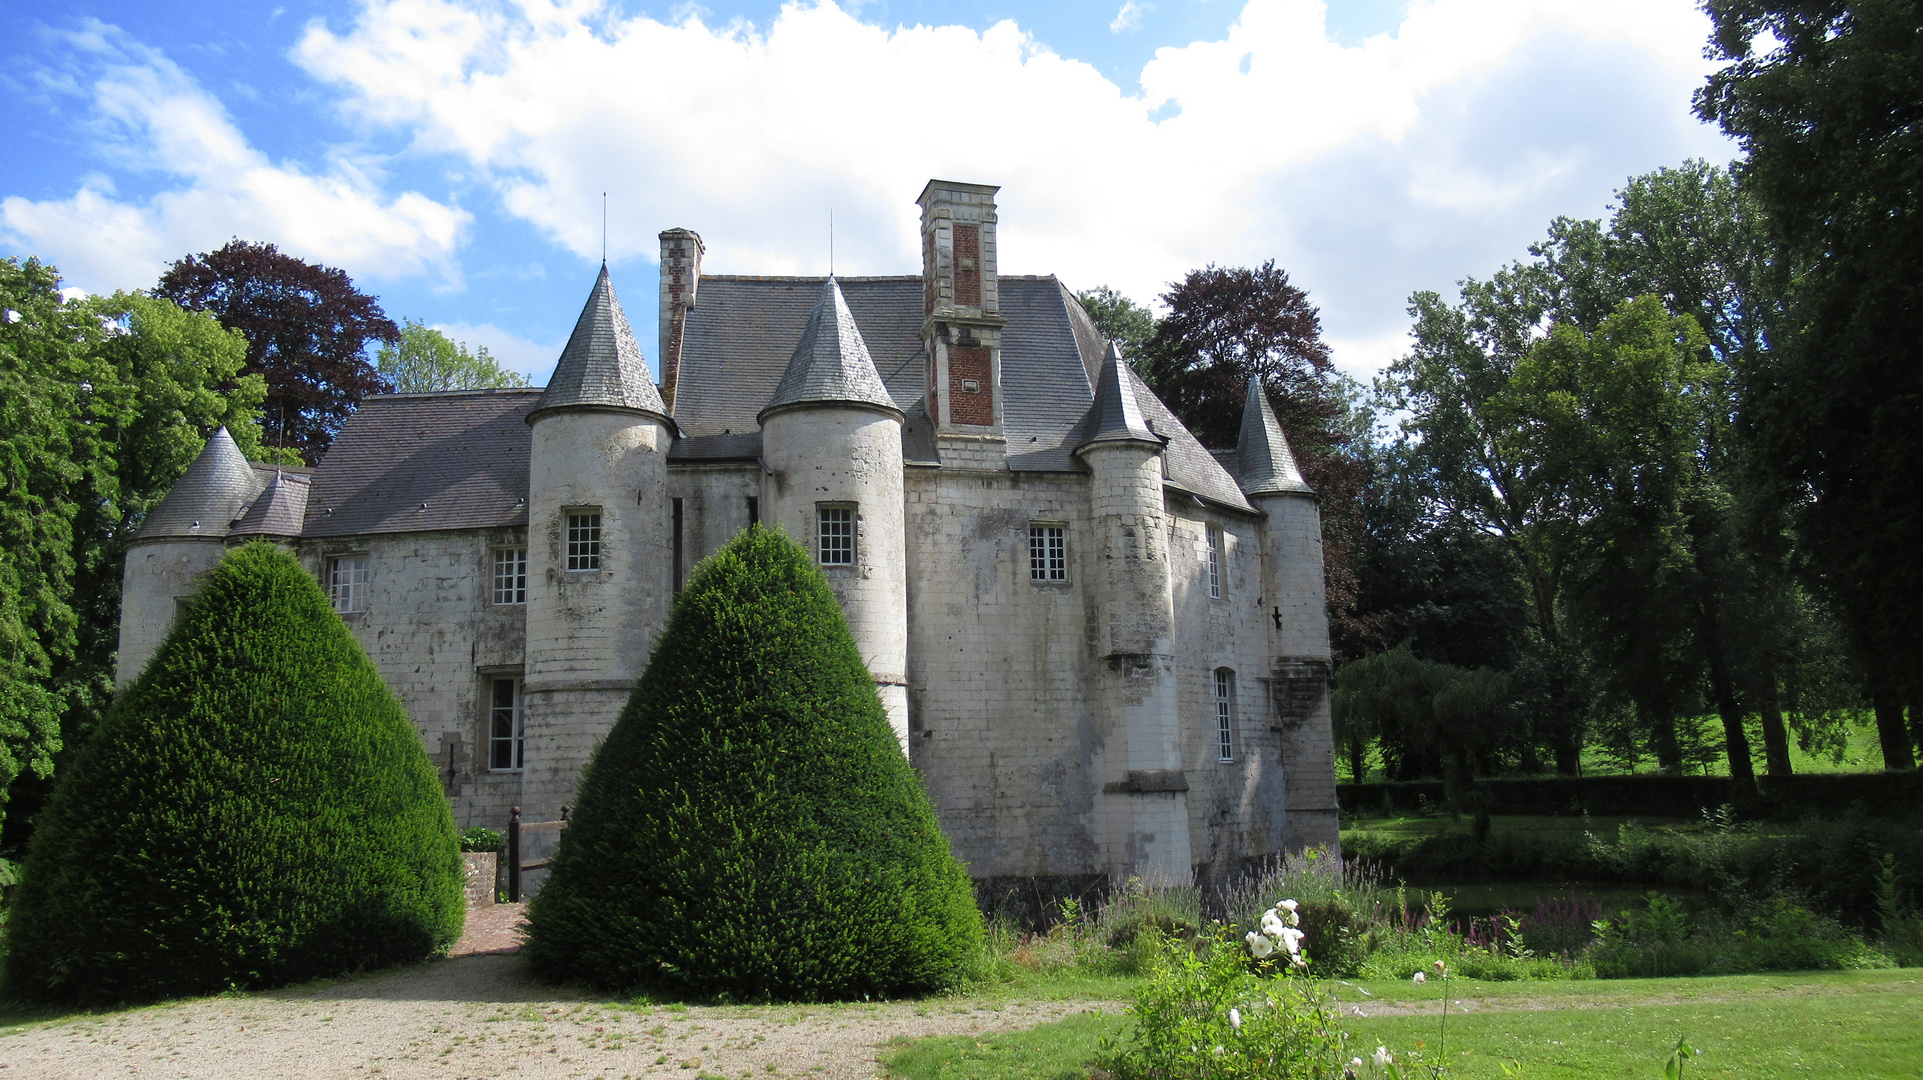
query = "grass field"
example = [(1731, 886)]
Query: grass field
[(1856, 1025)]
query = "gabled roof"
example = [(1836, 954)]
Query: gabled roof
[(602, 364), (1264, 462), (279, 511), (1116, 415), (831, 362), (207, 498), (420, 462)]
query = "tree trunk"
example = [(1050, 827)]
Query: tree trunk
[(1358, 760), (1916, 721), (1662, 736), (1889, 728), (1742, 771), (1775, 736)]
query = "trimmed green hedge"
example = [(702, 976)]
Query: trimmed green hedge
[(750, 827), (1881, 794), (255, 809)]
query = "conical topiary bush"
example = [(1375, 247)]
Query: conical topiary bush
[(254, 810), (750, 827)]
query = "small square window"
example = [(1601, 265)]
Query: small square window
[(1215, 560), (347, 583), (584, 540), (1224, 714), (506, 734), (510, 575), (1047, 553), (837, 535)]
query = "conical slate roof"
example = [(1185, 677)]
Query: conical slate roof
[(208, 496), (279, 511), (1264, 462), (1116, 415), (831, 363), (602, 364)]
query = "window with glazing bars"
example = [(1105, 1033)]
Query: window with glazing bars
[(510, 575), (1224, 714), (506, 736), (1215, 560), (347, 582), (1047, 553), (837, 535), (584, 540)]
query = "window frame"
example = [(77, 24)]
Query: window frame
[(502, 556), (587, 559), (822, 535), (348, 597), (514, 742), (1224, 715), (1218, 580), (1048, 552)]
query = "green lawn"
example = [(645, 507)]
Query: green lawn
[(1858, 1025)]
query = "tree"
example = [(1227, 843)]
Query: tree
[(1121, 320), (257, 809), (1827, 118), (750, 825), (1452, 713), (104, 402), (427, 361), (307, 330)]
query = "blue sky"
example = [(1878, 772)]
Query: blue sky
[(451, 154)]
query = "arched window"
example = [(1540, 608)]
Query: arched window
[(1224, 714)]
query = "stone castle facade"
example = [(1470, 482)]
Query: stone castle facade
[(1104, 647)]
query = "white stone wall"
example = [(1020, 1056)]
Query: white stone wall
[(589, 632), (435, 636), (840, 455), (714, 507), (1295, 566), (158, 577)]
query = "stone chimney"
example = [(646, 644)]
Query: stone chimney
[(681, 251), (961, 309)]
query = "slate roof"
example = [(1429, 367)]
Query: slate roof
[(1263, 458), (1116, 415), (417, 462), (281, 509), (207, 498), (602, 363), (831, 362)]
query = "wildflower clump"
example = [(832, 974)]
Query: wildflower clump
[(751, 827), (255, 809)]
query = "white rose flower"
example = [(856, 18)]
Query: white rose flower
[(1260, 946), (1288, 906), (1419, 978), (1383, 1057), (1291, 938), (1235, 1019), (1271, 925), (1356, 1062)]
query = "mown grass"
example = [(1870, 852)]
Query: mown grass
[(1855, 1025)]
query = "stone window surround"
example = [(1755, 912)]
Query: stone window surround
[(498, 560), (581, 553), (823, 512), (349, 596), (492, 741), (1043, 569)]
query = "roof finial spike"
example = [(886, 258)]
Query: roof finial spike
[(831, 241), (604, 228)]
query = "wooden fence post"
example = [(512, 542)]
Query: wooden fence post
[(514, 855)]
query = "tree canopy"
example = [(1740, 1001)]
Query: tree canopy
[(307, 329), (428, 361)]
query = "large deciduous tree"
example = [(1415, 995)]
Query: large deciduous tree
[(427, 361), (307, 330), (1825, 99)]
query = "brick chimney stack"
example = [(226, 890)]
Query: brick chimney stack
[(681, 251), (961, 309)]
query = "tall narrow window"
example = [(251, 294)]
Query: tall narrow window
[(510, 575), (506, 737), (1224, 714), (1215, 560), (754, 511), (347, 582), (1047, 553), (677, 545), (584, 540), (837, 535)]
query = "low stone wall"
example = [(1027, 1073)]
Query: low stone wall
[(483, 867)]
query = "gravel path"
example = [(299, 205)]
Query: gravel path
[(479, 1015)]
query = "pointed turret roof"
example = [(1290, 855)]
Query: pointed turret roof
[(602, 365), (831, 362), (1116, 415), (207, 498), (1264, 463), (278, 512)]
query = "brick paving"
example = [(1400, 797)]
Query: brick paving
[(491, 930)]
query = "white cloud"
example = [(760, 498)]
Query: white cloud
[(152, 116), (1130, 17), (750, 134), (534, 359)]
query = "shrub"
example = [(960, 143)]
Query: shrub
[(1659, 941), (750, 827), (254, 810), (480, 838)]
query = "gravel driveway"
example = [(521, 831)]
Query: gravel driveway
[(479, 1015)]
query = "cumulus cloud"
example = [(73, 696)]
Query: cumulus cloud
[(534, 359), (1130, 17), (751, 134), (153, 117)]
